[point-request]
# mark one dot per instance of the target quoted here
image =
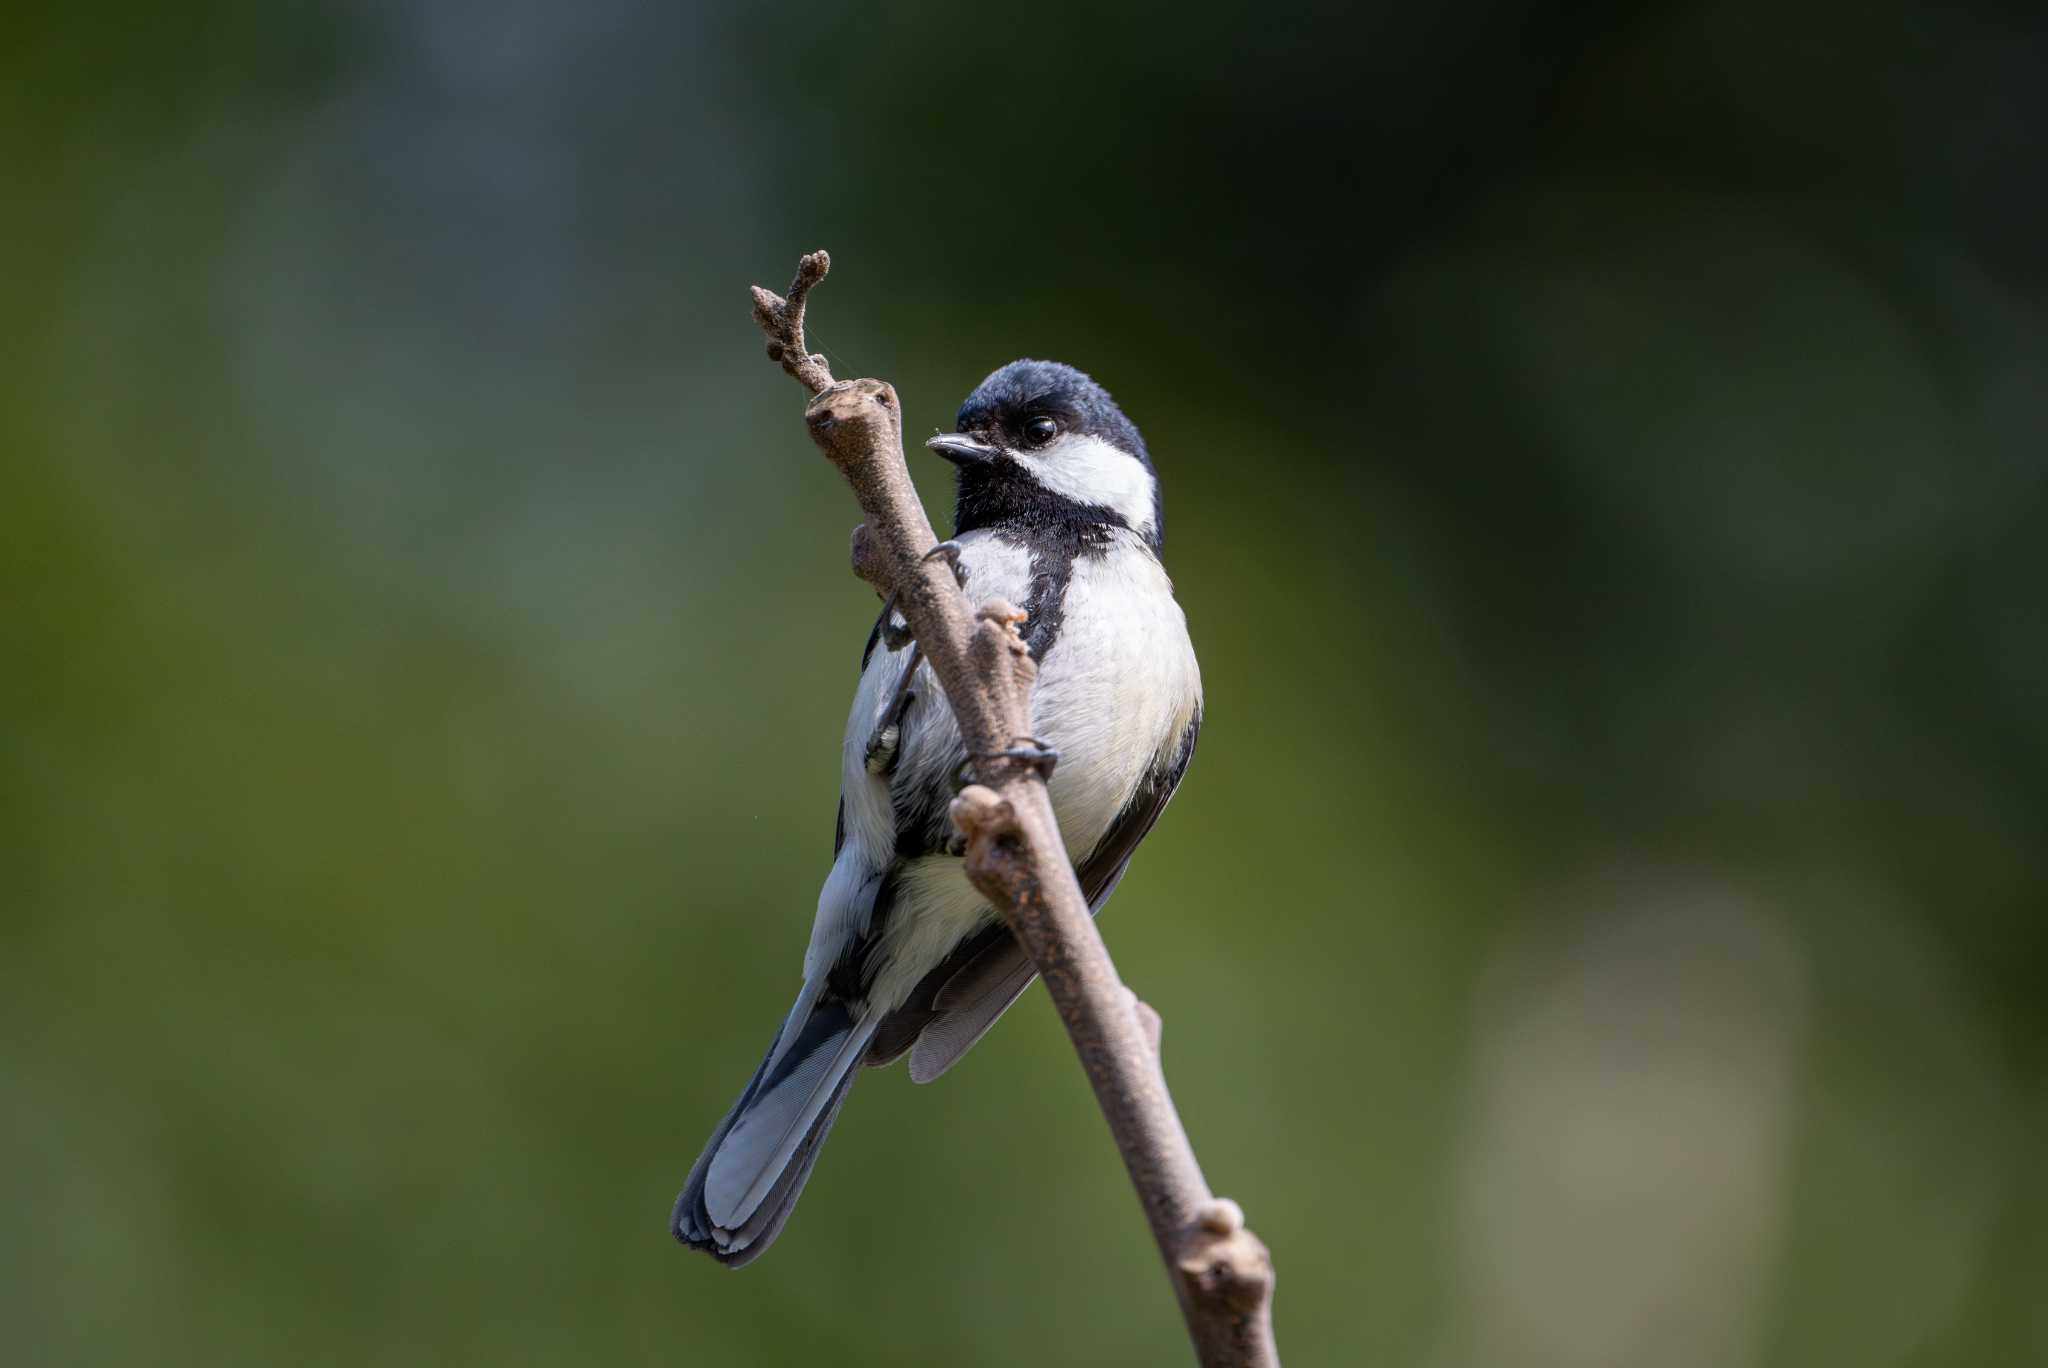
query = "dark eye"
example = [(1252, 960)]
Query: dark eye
[(1038, 431)]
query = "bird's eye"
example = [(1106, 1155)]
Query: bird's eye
[(1039, 431)]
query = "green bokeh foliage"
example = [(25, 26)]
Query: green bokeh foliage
[(1604, 468)]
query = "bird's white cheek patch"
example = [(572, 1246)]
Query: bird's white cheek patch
[(1090, 470)]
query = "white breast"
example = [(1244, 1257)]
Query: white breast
[(1118, 687)]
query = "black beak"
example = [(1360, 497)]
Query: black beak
[(961, 449)]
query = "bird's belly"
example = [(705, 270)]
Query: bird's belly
[(1118, 687)]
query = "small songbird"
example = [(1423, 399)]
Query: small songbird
[(1057, 511)]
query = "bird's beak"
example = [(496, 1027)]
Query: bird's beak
[(961, 449)]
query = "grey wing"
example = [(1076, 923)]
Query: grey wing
[(867, 653), (959, 1001), (912, 751)]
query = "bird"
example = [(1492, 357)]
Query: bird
[(1057, 509)]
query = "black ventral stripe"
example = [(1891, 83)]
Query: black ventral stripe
[(1057, 531)]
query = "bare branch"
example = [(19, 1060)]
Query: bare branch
[(1149, 1021), (1221, 1272), (783, 321)]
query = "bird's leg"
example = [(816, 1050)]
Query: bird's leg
[(887, 737)]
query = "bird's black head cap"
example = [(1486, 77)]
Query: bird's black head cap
[(1041, 444)]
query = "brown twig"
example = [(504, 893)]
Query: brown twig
[(783, 321), (1222, 1273)]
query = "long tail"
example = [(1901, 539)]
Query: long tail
[(743, 1187)]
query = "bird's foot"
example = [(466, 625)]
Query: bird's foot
[(949, 551), (1032, 753), (1028, 751)]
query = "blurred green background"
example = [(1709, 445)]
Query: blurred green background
[(1604, 454)]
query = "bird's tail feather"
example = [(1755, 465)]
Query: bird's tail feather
[(742, 1188)]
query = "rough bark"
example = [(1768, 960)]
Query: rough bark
[(1220, 1270)]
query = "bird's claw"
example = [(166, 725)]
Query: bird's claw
[(1027, 751), (1033, 754), (949, 551)]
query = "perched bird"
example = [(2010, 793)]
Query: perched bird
[(1057, 511)]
